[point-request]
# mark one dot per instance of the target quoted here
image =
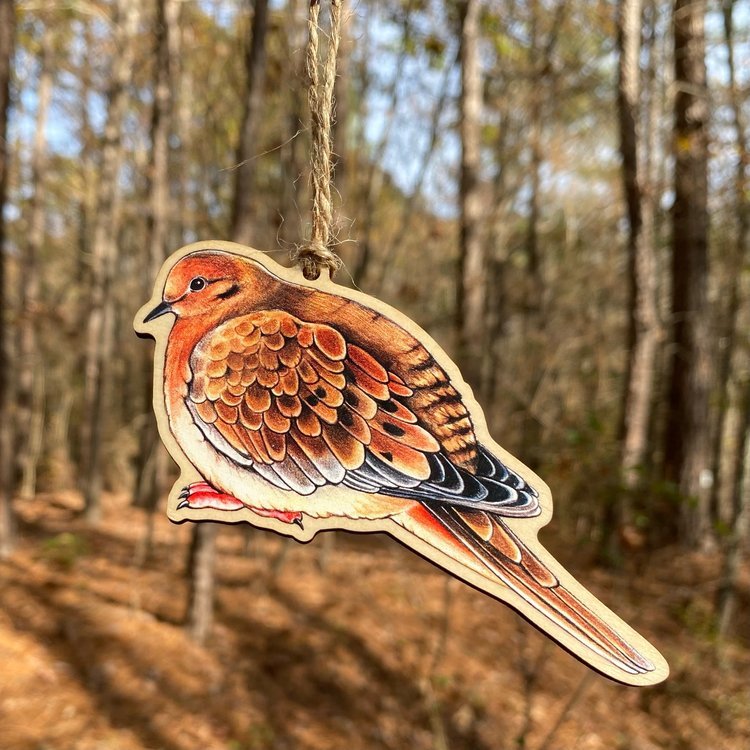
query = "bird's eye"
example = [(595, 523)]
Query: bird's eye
[(197, 284)]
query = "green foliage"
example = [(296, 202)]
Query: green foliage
[(65, 549), (698, 616), (435, 47)]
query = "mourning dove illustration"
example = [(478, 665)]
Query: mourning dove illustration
[(302, 405)]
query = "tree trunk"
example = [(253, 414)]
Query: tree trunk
[(292, 153), (737, 538), (340, 123), (533, 315), (153, 458), (635, 111), (687, 459), (643, 321), (104, 248), (726, 449), (540, 54), (499, 231), (182, 43), (7, 521), (202, 558), (167, 12), (255, 66), (149, 487), (735, 483), (471, 290), (30, 356), (202, 579), (59, 464)]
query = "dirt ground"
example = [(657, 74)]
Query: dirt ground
[(348, 642)]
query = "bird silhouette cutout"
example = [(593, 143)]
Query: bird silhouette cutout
[(301, 406)]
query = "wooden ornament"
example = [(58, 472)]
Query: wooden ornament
[(300, 406)]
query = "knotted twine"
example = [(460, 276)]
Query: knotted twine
[(317, 253)]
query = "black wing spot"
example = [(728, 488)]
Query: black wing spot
[(351, 398), (346, 418), (387, 455), (389, 406), (393, 429), (320, 391), (312, 400)]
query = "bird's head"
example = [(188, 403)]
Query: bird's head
[(209, 282)]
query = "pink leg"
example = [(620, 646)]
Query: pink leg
[(203, 495), (287, 516)]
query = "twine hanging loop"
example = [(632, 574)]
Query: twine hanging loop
[(317, 253)]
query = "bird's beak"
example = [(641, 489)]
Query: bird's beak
[(161, 309)]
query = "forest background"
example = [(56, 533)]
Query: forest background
[(556, 190)]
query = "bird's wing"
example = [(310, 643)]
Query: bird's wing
[(483, 542), (302, 407), (297, 404)]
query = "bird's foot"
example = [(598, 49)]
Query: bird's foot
[(203, 495)]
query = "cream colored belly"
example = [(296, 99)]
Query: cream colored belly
[(255, 492)]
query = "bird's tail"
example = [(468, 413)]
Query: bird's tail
[(484, 544)]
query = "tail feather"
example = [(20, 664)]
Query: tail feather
[(483, 543), (559, 604)]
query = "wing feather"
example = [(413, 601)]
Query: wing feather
[(271, 390)]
